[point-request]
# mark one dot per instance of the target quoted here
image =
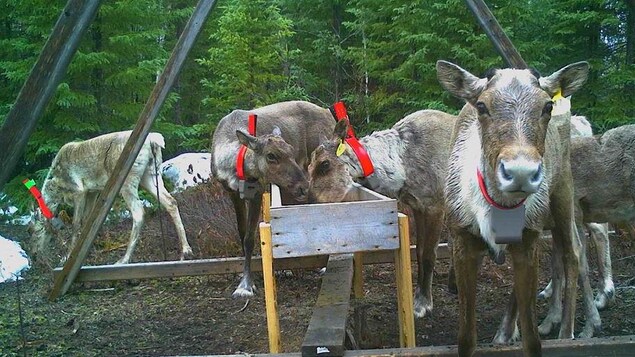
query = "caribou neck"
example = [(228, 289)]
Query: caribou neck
[(386, 149)]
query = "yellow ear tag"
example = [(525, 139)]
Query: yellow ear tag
[(340, 149), (558, 95)]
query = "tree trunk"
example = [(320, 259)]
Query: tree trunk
[(337, 25), (630, 32)]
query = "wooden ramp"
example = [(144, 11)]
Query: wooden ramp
[(327, 329)]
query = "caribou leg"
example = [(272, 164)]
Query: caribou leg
[(565, 239), (246, 287), (130, 194), (554, 314), (600, 235), (466, 250), (525, 264), (148, 182), (508, 328), (593, 324), (428, 226)]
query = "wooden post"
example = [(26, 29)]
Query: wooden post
[(495, 32), (358, 275), (403, 272), (266, 207), (271, 302), (45, 76), (131, 149)]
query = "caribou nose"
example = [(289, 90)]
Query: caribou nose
[(302, 194), (520, 175)]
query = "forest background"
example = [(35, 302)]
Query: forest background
[(377, 55)]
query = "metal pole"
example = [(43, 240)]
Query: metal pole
[(495, 32), (132, 148), (41, 84)]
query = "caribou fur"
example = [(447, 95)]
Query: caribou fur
[(287, 133), (81, 169)]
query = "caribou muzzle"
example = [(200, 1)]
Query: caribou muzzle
[(519, 176), (521, 172)]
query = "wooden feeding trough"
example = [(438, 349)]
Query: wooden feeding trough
[(343, 230)]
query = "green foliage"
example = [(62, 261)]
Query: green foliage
[(377, 55)]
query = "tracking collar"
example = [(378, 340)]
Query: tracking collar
[(488, 198), (339, 112)]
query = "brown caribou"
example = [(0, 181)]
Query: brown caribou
[(81, 169), (287, 133), (410, 161), (603, 168), (508, 169)]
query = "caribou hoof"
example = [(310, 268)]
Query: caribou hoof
[(242, 293), (547, 325), (245, 289), (590, 329), (603, 300), (187, 254), (546, 293), (422, 305), (122, 261), (504, 337)]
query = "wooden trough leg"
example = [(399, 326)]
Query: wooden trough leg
[(271, 302), (403, 274), (358, 275), (359, 310)]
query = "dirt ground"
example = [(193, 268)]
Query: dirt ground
[(197, 315)]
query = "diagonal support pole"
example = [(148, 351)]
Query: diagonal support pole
[(131, 149), (45, 76), (495, 32)]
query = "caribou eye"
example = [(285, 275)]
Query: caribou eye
[(548, 108), (482, 108), (272, 158), (324, 166)]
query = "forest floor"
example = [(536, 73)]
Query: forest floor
[(198, 316)]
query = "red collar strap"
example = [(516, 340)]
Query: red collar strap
[(488, 198), (339, 111), (30, 185), (240, 158)]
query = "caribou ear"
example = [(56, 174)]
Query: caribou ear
[(340, 130), (276, 131), (568, 79), (459, 82), (248, 140)]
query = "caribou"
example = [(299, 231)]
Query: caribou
[(602, 170), (508, 169), (81, 169), (410, 161), (287, 133)]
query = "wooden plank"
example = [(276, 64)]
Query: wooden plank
[(361, 193), (327, 329), (266, 207), (271, 302), (618, 346), (403, 274), (131, 149), (494, 31), (233, 265), (276, 198), (45, 76), (344, 227)]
